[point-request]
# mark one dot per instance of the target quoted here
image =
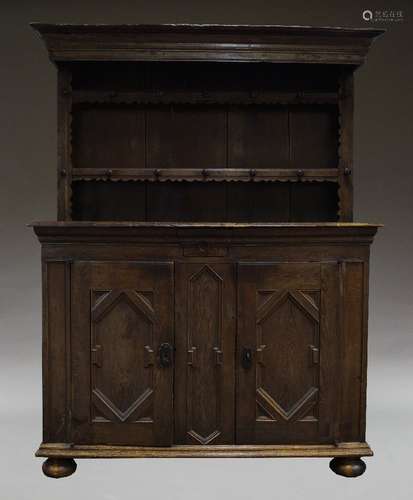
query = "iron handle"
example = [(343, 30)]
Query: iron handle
[(165, 355), (246, 358)]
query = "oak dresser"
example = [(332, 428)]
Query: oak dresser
[(205, 289)]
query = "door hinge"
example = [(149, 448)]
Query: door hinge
[(97, 355), (218, 356), (260, 354), (148, 356), (315, 354), (191, 356)]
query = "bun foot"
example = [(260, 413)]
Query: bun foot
[(59, 467), (348, 466)]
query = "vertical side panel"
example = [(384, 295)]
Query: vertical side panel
[(352, 341), (329, 349), (363, 392), (64, 172), (345, 164), (56, 301), (81, 351)]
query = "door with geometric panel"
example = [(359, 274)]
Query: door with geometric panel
[(121, 353), (205, 353), (287, 350)]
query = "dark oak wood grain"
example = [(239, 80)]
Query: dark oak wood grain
[(64, 143), (108, 136), (166, 102), (284, 395), (192, 42), (205, 346), (56, 350), (293, 282), (205, 289), (121, 315), (61, 450), (345, 150)]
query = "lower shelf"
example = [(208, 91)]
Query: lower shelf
[(222, 451)]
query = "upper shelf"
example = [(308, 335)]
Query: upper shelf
[(207, 42), (206, 97), (209, 174)]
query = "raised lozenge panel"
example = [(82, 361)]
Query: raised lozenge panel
[(122, 356), (287, 350)]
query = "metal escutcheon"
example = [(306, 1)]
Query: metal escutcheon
[(165, 354), (246, 358)]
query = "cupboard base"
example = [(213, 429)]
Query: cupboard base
[(62, 450)]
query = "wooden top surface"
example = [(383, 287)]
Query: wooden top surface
[(191, 225), (292, 30), (181, 232), (206, 42)]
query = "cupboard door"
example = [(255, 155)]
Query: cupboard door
[(205, 348), (287, 352), (121, 315)]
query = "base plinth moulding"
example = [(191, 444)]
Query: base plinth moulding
[(64, 450)]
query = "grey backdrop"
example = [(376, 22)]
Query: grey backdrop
[(383, 193)]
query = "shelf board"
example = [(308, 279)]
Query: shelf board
[(206, 175), (210, 97)]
